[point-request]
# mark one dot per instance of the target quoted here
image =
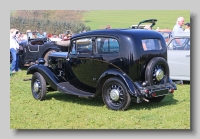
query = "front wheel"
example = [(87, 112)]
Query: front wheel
[(38, 86), (115, 94)]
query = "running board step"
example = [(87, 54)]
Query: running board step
[(66, 87)]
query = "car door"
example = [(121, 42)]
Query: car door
[(32, 50), (179, 61), (81, 60), (106, 56)]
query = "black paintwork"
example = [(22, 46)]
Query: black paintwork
[(88, 72)]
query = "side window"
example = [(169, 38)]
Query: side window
[(151, 44), (179, 44), (83, 46), (107, 45)]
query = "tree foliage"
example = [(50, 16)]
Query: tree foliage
[(51, 21)]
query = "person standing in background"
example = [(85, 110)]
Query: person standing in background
[(187, 27), (178, 28), (108, 27), (14, 46)]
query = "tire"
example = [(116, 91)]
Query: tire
[(120, 98), (38, 86), (157, 66), (46, 56), (154, 66)]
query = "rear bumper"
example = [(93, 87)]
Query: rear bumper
[(155, 90)]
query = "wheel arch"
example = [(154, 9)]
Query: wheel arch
[(48, 75), (115, 73)]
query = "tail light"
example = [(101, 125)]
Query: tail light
[(153, 94)]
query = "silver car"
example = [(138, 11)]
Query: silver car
[(179, 56)]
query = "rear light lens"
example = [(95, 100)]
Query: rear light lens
[(153, 94)]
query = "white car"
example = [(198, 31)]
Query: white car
[(179, 56)]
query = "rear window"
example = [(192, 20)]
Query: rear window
[(151, 44)]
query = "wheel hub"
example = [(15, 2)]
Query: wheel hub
[(114, 94), (36, 86), (159, 74)]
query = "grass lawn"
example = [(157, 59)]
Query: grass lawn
[(99, 19), (62, 111)]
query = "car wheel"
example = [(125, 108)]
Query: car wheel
[(115, 94), (38, 86), (157, 72), (46, 56)]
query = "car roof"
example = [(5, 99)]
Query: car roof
[(119, 32)]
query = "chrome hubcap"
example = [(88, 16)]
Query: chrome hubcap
[(36, 86), (114, 94), (159, 74)]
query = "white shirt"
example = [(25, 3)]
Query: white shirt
[(13, 42), (186, 30)]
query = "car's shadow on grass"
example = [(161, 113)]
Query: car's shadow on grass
[(167, 101), (98, 101), (75, 99)]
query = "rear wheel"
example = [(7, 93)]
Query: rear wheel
[(157, 72), (115, 94), (38, 86)]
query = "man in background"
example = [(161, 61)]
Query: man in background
[(187, 27), (178, 28)]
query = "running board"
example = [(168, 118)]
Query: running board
[(66, 87)]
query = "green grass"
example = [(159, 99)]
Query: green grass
[(62, 111), (98, 19)]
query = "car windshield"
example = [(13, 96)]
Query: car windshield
[(35, 35), (179, 44)]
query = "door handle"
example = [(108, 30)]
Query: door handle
[(187, 55)]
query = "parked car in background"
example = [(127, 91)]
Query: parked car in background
[(37, 48), (166, 33), (110, 63), (179, 57), (142, 24)]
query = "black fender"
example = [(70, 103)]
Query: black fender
[(110, 73), (48, 75)]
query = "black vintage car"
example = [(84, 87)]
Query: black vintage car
[(110, 63), (36, 48)]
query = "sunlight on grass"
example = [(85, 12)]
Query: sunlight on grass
[(61, 111)]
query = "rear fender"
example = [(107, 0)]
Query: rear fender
[(113, 73), (48, 75)]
